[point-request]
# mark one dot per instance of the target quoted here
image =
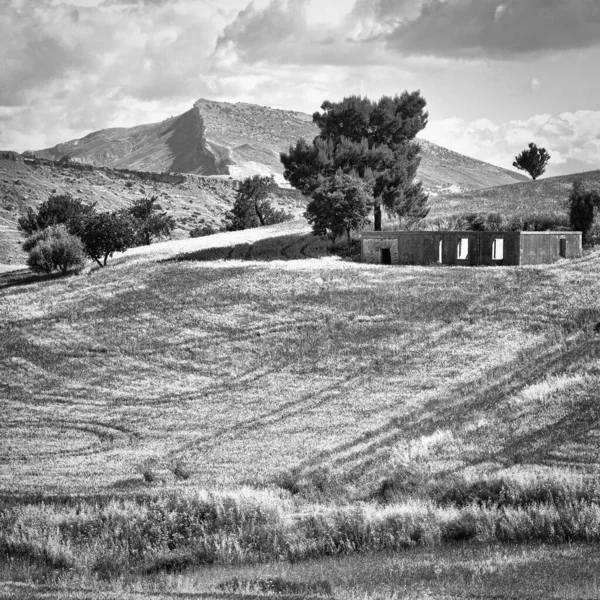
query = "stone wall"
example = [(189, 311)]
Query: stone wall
[(372, 246)]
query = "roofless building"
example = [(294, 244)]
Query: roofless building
[(469, 248)]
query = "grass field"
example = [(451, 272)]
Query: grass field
[(442, 401)]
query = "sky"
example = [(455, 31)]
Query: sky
[(496, 74)]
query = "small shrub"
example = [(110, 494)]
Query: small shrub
[(181, 471), (109, 566), (405, 482), (583, 205), (148, 470), (54, 248), (289, 481), (202, 231)]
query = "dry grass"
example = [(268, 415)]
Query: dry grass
[(472, 571), (266, 366), (244, 368)]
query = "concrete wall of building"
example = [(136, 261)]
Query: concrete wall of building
[(423, 247), (543, 247), (511, 248)]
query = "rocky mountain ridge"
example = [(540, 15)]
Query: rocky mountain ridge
[(219, 138)]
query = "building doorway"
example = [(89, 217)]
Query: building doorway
[(386, 256)]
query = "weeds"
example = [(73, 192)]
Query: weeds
[(172, 532)]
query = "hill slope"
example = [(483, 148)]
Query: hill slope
[(193, 202), (246, 366), (542, 196), (215, 138)]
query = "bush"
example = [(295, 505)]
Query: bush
[(494, 222), (181, 471), (582, 206), (54, 248), (202, 231)]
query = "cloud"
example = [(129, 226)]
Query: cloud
[(256, 33), (84, 67), (535, 84), (474, 28), (500, 10), (283, 32), (571, 138)]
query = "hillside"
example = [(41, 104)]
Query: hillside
[(195, 201), (253, 358), (215, 138), (543, 196)]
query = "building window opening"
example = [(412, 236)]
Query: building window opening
[(386, 256), (441, 252), (563, 247), (498, 249), (462, 250)]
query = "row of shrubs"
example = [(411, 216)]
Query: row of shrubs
[(177, 530), (63, 230), (495, 222), (582, 207)]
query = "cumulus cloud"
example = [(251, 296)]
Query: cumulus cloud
[(256, 33), (291, 32), (96, 62), (572, 139), (472, 28)]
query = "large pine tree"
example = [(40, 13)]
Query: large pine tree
[(371, 140)]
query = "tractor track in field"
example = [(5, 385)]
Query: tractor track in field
[(287, 410), (104, 437)]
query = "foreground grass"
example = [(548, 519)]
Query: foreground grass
[(466, 571)]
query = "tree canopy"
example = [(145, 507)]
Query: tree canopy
[(58, 209), (150, 221), (371, 140), (340, 205), (105, 233), (252, 206), (533, 160)]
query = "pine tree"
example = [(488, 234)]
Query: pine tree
[(371, 140)]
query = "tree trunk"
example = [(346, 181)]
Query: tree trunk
[(377, 216), (98, 261), (259, 214)]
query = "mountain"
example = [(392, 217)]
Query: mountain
[(218, 138)]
